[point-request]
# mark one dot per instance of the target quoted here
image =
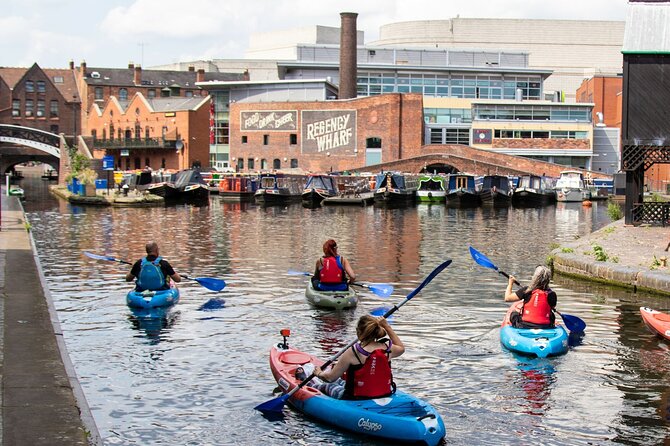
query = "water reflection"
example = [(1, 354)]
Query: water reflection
[(153, 322), (611, 388)]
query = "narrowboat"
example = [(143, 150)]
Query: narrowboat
[(534, 190), (431, 189), (279, 188), (496, 190), (395, 188), (461, 190), (318, 188), (238, 187), (570, 186), (191, 186)]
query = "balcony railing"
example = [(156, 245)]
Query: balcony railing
[(134, 143)]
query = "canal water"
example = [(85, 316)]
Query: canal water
[(194, 376)]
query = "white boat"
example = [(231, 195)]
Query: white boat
[(571, 187)]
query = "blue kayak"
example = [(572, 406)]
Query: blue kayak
[(153, 299), (400, 418), (540, 342)]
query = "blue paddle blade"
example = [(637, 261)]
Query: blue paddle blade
[(481, 259), (573, 323), (274, 405), (380, 311), (381, 289), (210, 283), (292, 272)]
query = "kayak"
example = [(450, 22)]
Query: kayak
[(540, 342), (658, 322), (338, 300), (398, 418), (153, 299)]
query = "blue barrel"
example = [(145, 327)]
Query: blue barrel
[(101, 184)]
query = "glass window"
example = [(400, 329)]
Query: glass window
[(16, 107), (188, 94), (94, 134), (53, 109), (293, 139), (250, 163), (560, 114), (58, 79), (294, 163), (436, 136), (244, 139), (266, 140), (98, 93), (123, 94), (151, 93), (264, 164), (538, 134), (41, 108), (276, 163), (222, 132), (41, 87), (30, 86), (29, 107), (373, 143), (147, 132)]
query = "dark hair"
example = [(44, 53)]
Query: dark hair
[(151, 247), (330, 248), (369, 330)]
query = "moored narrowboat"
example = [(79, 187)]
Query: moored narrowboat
[(461, 190), (317, 188), (570, 187), (279, 188), (534, 190), (496, 190), (431, 189), (395, 188)]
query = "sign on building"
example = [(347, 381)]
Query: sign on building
[(481, 136), (328, 131), (108, 162), (268, 121)]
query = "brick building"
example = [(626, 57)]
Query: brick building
[(168, 133), (605, 93), (321, 136), (41, 98)]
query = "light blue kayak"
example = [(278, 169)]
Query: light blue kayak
[(540, 342), (152, 299)]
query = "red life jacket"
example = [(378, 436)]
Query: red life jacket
[(537, 309), (372, 379), (332, 270)]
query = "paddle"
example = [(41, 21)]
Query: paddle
[(208, 282), (573, 323), (380, 289), (277, 404)]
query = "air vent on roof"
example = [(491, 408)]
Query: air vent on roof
[(95, 75)]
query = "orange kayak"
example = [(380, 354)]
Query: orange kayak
[(658, 323)]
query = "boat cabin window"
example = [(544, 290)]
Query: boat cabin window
[(461, 182)]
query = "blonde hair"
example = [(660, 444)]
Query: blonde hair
[(369, 330), (540, 279)]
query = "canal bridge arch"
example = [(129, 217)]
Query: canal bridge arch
[(21, 144)]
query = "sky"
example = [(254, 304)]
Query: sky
[(112, 33)]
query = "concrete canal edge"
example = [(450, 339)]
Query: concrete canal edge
[(102, 199), (630, 257), (42, 400)]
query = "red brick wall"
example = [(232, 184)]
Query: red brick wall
[(541, 143), (604, 92), (395, 118)]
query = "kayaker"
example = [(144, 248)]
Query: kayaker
[(367, 363), (539, 301), (332, 272), (152, 272)]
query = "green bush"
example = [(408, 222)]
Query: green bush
[(614, 211), (599, 253)]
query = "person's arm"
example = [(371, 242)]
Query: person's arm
[(397, 348), (134, 271), (170, 272), (337, 370), (350, 272), (552, 299), (511, 296)]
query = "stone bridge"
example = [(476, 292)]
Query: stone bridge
[(21, 144), (460, 158)]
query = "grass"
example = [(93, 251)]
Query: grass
[(614, 211)]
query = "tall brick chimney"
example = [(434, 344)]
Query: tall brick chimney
[(137, 78), (348, 59), (200, 75)]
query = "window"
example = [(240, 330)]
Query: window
[(41, 108), (151, 93), (111, 132), (294, 163), (266, 140), (138, 131), (104, 134), (29, 107), (58, 79), (41, 87), (188, 94), (98, 93), (123, 94), (146, 132), (240, 164), (293, 139), (373, 143), (16, 107), (138, 163), (30, 87), (264, 164), (276, 163), (94, 134), (250, 163), (244, 139), (128, 134), (53, 109)]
